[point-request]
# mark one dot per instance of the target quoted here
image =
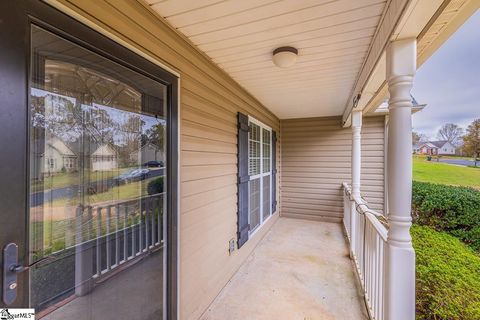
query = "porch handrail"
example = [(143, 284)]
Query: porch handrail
[(377, 219), (367, 232)]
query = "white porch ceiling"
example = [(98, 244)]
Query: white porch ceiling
[(332, 37)]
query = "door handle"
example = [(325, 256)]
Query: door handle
[(18, 268), (10, 271)]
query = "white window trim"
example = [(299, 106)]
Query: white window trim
[(260, 175)]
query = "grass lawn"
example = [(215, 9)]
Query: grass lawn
[(442, 173), (61, 180), (116, 193)]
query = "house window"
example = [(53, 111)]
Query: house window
[(51, 163), (260, 172)]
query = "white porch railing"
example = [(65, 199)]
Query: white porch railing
[(367, 237)]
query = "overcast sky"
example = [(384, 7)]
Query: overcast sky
[(449, 82)]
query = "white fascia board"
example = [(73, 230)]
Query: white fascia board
[(413, 19)]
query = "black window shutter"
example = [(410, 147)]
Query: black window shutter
[(274, 171), (243, 178)]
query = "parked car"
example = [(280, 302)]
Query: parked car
[(132, 175), (153, 164), (139, 174)]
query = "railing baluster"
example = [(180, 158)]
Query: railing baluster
[(140, 229), (373, 274), (147, 210), (370, 261), (125, 238), (117, 236), (99, 236), (152, 220), (361, 244), (366, 265), (133, 235), (367, 258), (372, 269), (107, 223), (382, 288), (160, 219), (377, 274), (380, 276)]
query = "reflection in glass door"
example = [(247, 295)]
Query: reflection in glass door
[(97, 185)]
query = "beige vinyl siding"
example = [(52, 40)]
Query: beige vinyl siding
[(316, 160), (373, 162), (210, 100)]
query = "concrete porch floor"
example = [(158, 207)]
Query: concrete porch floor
[(134, 293), (300, 270)]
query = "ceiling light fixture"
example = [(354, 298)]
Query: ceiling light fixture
[(285, 57)]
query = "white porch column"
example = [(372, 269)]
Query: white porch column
[(356, 151), (400, 272), (356, 167)]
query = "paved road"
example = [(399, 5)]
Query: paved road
[(38, 198), (460, 162)]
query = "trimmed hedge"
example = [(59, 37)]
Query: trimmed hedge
[(155, 186), (455, 210), (448, 276)]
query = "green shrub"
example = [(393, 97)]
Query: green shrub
[(455, 210), (155, 186), (448, 277)]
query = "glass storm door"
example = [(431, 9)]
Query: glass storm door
[(92, 185)]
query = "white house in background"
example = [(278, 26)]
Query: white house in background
[(444, 147), (148, 152), (440, 147), (104, 158), (58, 156)]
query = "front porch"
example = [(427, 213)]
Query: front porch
[(287, 185), (300, 270)]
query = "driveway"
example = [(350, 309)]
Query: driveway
[(459, 162)]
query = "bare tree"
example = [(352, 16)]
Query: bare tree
[(450, 132), (418, 137), (471, 140)]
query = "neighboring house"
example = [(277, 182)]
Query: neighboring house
[(104, 158), (260, 158), (416, 148), (58, 157), (441, 147), (427, 148), (148, 152), (444, 147)]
